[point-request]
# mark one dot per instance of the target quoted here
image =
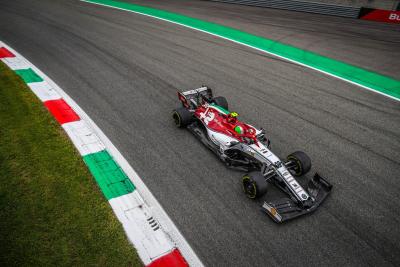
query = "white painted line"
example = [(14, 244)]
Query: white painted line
[(267, 52), (151, 205)]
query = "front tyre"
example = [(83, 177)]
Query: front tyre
[(300, 163), (254, 185), (182, 117)]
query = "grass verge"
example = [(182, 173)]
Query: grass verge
[(51, 210)]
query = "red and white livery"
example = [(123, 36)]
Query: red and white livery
[(244, 147)]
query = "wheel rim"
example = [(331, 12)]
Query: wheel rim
[(177, 120), (249, 188)]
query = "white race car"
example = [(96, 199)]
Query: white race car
[(244, 147)]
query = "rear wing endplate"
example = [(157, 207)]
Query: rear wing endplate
[(196, 95)]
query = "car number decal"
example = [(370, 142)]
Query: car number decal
[(207, 116)]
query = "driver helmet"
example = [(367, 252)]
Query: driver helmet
[(232, 117), (238, 129)]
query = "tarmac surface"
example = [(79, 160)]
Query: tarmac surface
[(124, 70)]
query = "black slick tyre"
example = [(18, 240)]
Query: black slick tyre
[(301, 161), (254, 185), (182, 117), (221, 101)]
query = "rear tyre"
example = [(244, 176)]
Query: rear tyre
[(221, 101), (301, 162), (182, 117), (254, 185)]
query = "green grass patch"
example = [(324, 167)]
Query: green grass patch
[(51, 210)]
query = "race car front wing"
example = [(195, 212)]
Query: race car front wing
[(286, 209)]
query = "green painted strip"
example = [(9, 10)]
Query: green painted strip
[(111, 179), (221, 109), (362, 77), (29, 76)]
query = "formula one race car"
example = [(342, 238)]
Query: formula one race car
[(246, 148)]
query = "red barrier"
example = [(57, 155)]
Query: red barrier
[(173, 259), (380, 15), (4, 52), (61, 111)]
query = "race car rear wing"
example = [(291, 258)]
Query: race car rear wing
[(286, 209), (193, 98)]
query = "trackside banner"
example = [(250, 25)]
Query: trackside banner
[(380, 15)]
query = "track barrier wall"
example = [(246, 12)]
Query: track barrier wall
[(302, 6), (323, 8)]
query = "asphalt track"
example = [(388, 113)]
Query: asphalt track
[(124, 70), (370, 45)]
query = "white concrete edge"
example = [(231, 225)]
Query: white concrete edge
[(141, 227), (270, 53), (44, 91), (15, 63), (85, 140), (170, 229)]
